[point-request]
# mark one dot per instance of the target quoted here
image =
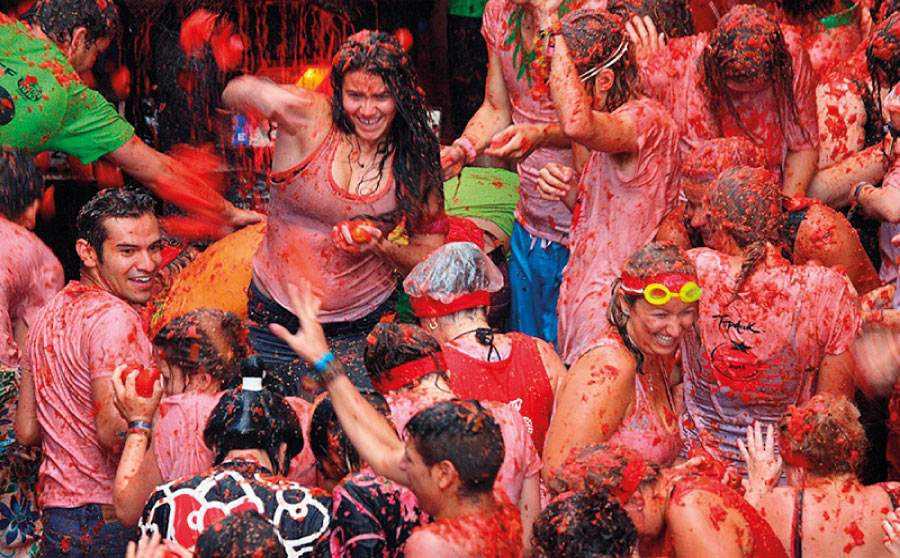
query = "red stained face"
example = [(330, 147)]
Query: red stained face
[(658, 330), (130, 257), (369, 105)]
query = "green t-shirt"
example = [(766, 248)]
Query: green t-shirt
[(466, 8), (490, 194), (44, 105)]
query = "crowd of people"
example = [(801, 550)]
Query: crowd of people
[(663, 335)]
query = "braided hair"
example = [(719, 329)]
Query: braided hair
[(416, 163), (748, 44), (594, 38), (746, 204)]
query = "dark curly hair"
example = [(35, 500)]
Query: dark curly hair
[(464, 433), (21, 182), (672, 17), (205, 340), (586, 524), (748, 44), (746, 203), (240, 534), (416, 165), (594, 38), (58, 19)]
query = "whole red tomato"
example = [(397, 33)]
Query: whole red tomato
[(144, 381)]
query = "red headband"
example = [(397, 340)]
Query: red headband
[(408, 373), (672, 281), (427, 307)]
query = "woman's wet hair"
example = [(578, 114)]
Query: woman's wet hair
[(327, 438), (416, 151), (804, 10), (746, 203), (748, 44), (205, 340), (21, 182), (464, 433), (59, 19), (883, 61), (655, 258), (826, 431), (597, 38), (671, 17), (584, 524), (240, 534), (391, 344), (251, 418)]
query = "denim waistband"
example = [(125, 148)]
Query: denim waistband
[(263, 310)]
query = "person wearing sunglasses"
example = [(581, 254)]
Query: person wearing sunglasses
[(630, 395), (769, 334)]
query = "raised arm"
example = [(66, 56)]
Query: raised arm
[(372, 436), (138, 473), (596, 130)]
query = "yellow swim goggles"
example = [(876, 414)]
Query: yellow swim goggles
[(660, 289)]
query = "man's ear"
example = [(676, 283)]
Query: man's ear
[(86, 252), (28, 218), (447, 475), (78, 41)]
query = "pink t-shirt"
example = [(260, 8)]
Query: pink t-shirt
[(642, 429), (304, 205), (81, 335), (178, 437), (761, 352), (29, 276), (520, 459), (545, 219), (673, 77), (616, 214)]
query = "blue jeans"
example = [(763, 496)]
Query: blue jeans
[(535, 274), (347, 341), (82, 532)]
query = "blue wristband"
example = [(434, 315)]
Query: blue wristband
[(140, 424), (323, 361)]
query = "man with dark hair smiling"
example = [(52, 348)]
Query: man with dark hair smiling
[(80, 337)]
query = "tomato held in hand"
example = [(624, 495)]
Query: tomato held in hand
[(144, 381)]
